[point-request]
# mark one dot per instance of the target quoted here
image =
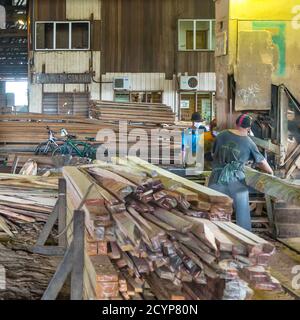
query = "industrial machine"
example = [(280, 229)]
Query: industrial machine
[(257, 71)]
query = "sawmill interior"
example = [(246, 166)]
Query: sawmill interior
[(149, 150)]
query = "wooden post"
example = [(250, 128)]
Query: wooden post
[(15, 164), (62, 213), (48, 226), (78, 256), (270, 214), (72, 262), (60, 276)]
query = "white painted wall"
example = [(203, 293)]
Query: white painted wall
[(82, 9), (142, 82), (60, 62), (155, 82), (2, 17), (35, 98)]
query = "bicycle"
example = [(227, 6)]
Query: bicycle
[(75, 147), (48, 146)]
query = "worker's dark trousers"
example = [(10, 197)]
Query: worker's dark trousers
[(239, 192)]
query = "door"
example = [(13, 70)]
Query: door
[(66, 103), (204, 106), (187, 106)]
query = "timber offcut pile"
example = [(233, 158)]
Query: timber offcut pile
[(25, 204), (153, 235), (147, 113), (25, 199)]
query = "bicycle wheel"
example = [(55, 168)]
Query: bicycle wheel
[(91, 153), (79, 149), (42, 148), (62, 150)]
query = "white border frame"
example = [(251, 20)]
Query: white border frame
[(70, 35), (195, 27)]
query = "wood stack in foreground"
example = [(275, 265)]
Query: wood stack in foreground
[(153, 235), (147, 113)]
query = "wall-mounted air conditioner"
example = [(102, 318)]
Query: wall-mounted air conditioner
[(121, 83), (189, 83)]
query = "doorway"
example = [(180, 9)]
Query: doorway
[(201, 102)]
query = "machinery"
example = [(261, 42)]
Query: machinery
[(257, 71), (277, 133)]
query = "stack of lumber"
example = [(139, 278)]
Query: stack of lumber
[(147, 113), (22, 133), (25, 199), (25, 204), (153, 235)]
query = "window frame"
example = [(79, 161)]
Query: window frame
[(132, 92), (211, 21), (70, 35)]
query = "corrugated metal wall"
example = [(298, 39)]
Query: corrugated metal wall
[(82, 9), (207, 81), (35, 98), (142, 82), (156, 82), (66, 103), (69, 62)]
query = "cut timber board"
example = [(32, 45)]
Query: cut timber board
[(206, 193)]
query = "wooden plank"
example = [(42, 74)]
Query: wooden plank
[(78, 256), (60, 276), (205, 192), (273, 186), (4, 227), (173, 220), (62, 212)]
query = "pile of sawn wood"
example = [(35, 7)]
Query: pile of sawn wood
[(25, 205), (154, 235), (24, 132), (147, 113)]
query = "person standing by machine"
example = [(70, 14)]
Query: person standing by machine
[(232, 149)]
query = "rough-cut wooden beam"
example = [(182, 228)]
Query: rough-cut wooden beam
[(273, 186), (206, 193)]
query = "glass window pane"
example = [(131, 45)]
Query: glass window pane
[(186, 35), (44, 35), (213, 37), (80, 36), (202, 35), (62, 36), (122, 97)]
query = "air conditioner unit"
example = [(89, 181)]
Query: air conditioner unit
[(189, 83), (121, 83)]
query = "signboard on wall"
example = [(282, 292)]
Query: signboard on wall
[(185, 104), (63, 78), (221, 44)]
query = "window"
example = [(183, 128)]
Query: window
[(139, 96), (45, 36), (196, 35), (73, 35), (62, 36), (80, 35)]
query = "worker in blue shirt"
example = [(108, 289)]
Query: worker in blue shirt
[(191, 138)]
